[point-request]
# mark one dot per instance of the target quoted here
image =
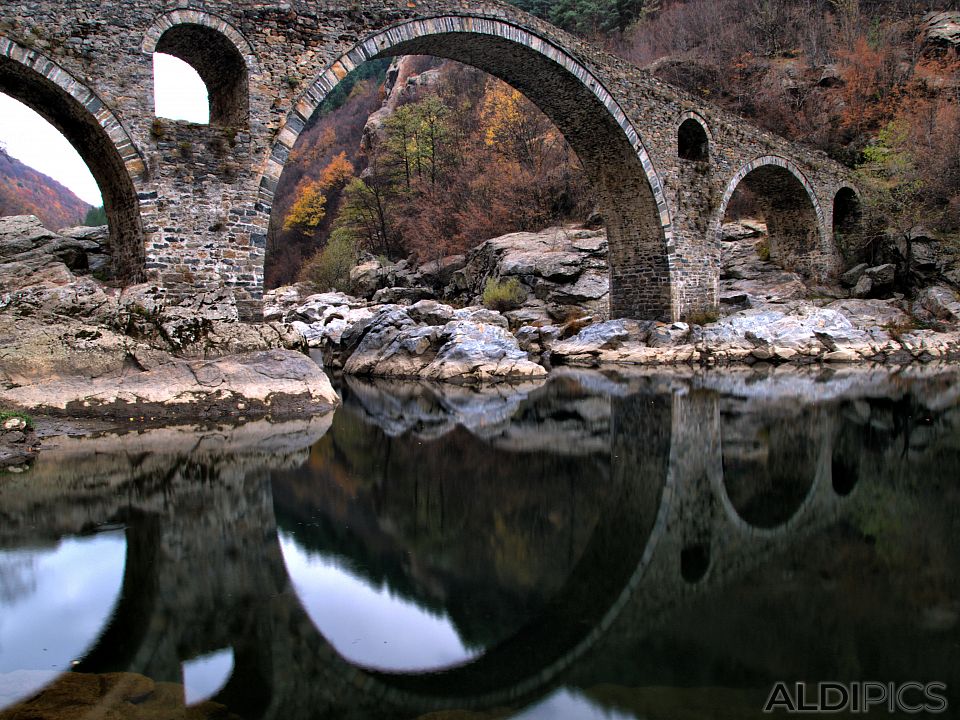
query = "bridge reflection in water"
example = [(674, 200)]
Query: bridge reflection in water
[(638, 541)]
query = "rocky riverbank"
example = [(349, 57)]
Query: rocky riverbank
[(429, 322), (73, 346)]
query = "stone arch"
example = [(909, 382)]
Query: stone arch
[(597, 592), (795, 220), (98, 136), (642, 255), (218, 52), (693, 138)]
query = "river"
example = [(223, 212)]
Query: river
[(603, 545)]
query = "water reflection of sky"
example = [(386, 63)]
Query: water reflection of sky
[(367, 624), (565, 704), (54, 603)]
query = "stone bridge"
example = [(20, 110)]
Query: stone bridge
[(189, 205), (205, 569)]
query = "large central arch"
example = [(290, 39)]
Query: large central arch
[(638, 222)]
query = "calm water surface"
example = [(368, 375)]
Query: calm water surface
[(598, 546)]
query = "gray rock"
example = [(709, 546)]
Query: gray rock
[(278, 381), (367, 277), (430, 312), (863, 288), (852, 276), (460, 351), (883, 276), (940, 302), (591, 285), (736, 231), (482, 315), (401, 295), (604, 335), (942, 28)]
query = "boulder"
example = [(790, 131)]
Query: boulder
[(437, 273), (805, 330), (883, 276), (940, 303), (863, 288), (367, 277), (25, 241), (393, 344), (279, 301), (401, 295), (281, 382), (563, 267), (852, 276)]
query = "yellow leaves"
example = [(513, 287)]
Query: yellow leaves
[(336, 174), (310, 206), (502, 112), (308, 209)]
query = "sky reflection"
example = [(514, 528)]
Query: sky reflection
[(54, 603), (369, 625)]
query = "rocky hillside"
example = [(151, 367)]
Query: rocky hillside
[(25, 191)]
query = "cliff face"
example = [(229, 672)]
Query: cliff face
[(25, 191)]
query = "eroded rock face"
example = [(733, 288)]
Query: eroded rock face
[(938, 303), (746, 279), (562, 270)]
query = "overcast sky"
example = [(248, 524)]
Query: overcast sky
[(179, 94)]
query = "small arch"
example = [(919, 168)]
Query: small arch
[(693, 143), (694, 562), (97, 135), (218, 52), (770, 475), (794, 217), (847, 216)]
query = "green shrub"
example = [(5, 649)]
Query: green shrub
[(330, 268), (502, 296), (6, 415), (763, 250)]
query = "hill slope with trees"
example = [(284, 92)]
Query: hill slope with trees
[(25, 191)]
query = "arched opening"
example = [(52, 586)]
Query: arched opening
[(103, 145), (220, 66), (178, 91), (771, 191), (692, 141), (847, 216), (42, 174), (694, 562), (611, 152)]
